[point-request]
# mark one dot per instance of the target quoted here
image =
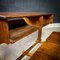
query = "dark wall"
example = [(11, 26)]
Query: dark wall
[(52, 6)]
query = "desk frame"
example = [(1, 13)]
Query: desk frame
[(38, 23)]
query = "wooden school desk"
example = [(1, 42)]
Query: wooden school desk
[(34, 19)]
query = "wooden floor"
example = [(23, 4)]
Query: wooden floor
[(50, 50)]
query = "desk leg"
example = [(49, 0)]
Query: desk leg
[(4, 32), (36, 22), (39, 35), (40, 22)]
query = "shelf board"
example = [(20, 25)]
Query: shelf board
[(21, 32)]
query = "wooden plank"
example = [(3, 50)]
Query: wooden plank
[(22, 14), (4, 33), (18, 33)]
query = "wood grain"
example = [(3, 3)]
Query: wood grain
[(54, 38), (48, 50), (22, 14), (21, 32), (4, 32)]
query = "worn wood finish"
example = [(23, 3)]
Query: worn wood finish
[(48, 50)]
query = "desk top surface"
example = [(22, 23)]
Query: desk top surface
[(22, 14)]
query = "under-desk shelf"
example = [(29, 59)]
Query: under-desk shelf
[(20, 32), (19, 29)]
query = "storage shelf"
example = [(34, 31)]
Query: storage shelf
[(21, 32)]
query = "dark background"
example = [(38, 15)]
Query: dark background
[(52, 6)]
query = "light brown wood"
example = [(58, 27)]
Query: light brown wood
[(42, 56), (29, 54), (28, 21), (22, 14), (49, 50), (26, 52), (4, 32), (40, 25), (34, 21), (18, 33)]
